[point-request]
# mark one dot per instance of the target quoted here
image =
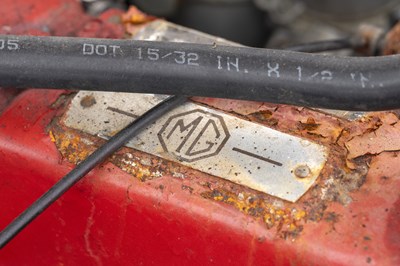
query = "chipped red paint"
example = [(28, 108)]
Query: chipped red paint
[(116, 217)]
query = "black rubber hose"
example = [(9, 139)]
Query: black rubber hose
[(98, 156), (312, 80), (324, 46)]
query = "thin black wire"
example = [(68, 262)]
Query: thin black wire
[(323, 46), (98, 156)]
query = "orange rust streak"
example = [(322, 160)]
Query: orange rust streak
[(287, 221)]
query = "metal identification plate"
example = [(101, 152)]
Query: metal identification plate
[(207, 140)]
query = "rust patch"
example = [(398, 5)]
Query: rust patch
[(298, 121), (134, 19), (306, 123), (341, 183), (392, 41), (135, 16), (265, 116), (287, 220), (309, 125), (72, 146), (368, 40), (385, 136), (142, 168), (76, 146)]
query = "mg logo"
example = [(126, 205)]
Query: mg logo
[(194, 135)]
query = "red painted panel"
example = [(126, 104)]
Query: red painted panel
[(112, 218), (109, 216)]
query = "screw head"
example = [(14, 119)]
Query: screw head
[(88, 101), (302, 171)]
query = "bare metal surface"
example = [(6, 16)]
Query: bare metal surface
[(160, 30), (207, 140)]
